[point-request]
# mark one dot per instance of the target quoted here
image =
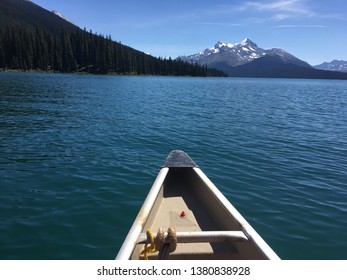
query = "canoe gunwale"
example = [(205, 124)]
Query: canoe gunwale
[(247, 229), (137, 227)]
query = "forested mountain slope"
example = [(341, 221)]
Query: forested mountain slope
[(32, 38)]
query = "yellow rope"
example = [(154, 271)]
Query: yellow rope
[(152, 246), (149, 248), (172, 239)]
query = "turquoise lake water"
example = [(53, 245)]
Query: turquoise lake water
[(79, 153)]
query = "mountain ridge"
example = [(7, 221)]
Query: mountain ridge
[(334, 65), (272, 66), (235, 54), (246, 59)]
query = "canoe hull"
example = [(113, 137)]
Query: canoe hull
[(205, 209)]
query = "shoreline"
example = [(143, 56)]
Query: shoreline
[(10, 70)]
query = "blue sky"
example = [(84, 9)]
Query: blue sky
[(312, 30)]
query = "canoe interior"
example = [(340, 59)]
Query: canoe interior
[(184, 190)]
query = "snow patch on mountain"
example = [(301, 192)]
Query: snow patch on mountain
[(61, 16)]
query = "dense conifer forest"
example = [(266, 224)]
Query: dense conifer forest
[(82, 51), (32, 38)]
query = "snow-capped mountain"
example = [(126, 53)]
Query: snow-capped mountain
[(335, 65), (235, 54), (232, 54), (61, 16)]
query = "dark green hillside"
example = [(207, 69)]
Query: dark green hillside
[(32, 38), (26, 13)]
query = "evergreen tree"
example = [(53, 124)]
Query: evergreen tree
[(69, 63), (2, 58)]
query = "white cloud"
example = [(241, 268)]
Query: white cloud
[(301, 26), (295, 6), (283, 9)]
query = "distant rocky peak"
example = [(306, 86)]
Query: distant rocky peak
[(247, 41), (220, 45), (334, 65), (243, 43)]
